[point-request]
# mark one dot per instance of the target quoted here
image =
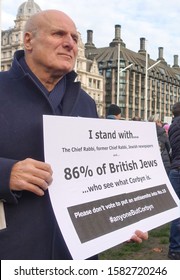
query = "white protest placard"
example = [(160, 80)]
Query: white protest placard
[(108, 181)]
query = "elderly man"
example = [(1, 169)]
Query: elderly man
[(40, 82)]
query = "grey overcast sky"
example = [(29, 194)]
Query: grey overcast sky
[(156, 20)]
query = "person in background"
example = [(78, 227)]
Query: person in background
[(174, 176), (39, 82), (163, 140), (166, 127), (114, 112), (136, 118)]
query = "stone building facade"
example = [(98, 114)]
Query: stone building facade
[(136, 96), (12, 39)]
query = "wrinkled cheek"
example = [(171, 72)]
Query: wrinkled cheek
[(69, 64)]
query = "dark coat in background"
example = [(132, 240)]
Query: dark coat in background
[(32, 231), (174, 137), (164, 146)]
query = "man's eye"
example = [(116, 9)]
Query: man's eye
[(58, 34), (75, 39)]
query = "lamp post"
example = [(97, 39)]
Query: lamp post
[(119, 71), (118, 67), (146, 83)]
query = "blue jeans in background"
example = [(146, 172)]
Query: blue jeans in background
[(174, 246)]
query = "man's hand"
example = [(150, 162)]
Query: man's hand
[(139, 236), (31, 175)]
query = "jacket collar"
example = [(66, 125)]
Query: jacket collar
[(72, 90)]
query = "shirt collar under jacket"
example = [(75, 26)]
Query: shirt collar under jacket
[(56, 95)]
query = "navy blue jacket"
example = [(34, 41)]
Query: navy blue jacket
[(174, 138), (32, 231)]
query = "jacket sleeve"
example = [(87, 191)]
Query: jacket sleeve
[(6, 195)]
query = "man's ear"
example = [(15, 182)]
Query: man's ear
[(28, 40)]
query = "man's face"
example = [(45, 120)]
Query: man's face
[(54, 45), (118, 117)]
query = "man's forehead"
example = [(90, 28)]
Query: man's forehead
[(57, 23)]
